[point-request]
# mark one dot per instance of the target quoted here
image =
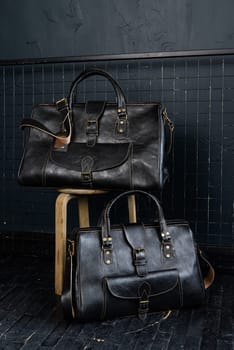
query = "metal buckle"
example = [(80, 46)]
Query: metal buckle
[(107, 250), (137, 251), (86, 176), (92, 127), (107, 243), (62, 104)]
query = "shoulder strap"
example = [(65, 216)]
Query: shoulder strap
[(61, 138), (66, 297), (209, 273)]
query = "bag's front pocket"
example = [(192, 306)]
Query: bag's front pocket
[(134, 295), (101, 166)]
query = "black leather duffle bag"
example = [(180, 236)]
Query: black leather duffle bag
[(133, 269), (96, 144)]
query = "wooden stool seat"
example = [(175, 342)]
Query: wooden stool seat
[(62, 200), (81, 191)]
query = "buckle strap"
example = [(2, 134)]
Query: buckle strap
[(135, 237), (167, 245), (122, 125), (143, 309), (144, 294), (92, 132), (94, 110), (107, 248), (140, 262), (86, 170)]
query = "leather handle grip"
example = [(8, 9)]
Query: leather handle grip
[(106, 214), (121, 100)]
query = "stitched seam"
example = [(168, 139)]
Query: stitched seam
[(123, 161), (104, 306), (151, 295), (43, 175)]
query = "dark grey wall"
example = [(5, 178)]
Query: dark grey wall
[(197, 92), (31, 28)]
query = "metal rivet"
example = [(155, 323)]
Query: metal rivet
[(163, 234), (108, 261), (168, 255), (168, 247), (121, 130), (121, 122), (107, 252), (167, 233)]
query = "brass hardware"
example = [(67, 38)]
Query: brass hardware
[(121, 110), (168, 255), (121, 130), (165, 234), (93, 124), (105, 239), (168, 247), (65, 103), (108, 261), (61, 100), (107, 245), (121, 122), (64, 99), (107, 252)]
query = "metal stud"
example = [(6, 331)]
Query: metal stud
[(168, 247), (108, 261), (168, 255)]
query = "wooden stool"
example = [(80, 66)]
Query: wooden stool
[(61, 204)]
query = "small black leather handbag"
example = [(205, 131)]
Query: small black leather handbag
[(97, 144), (132, 269)]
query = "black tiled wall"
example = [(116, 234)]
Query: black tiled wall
[(199, 96)]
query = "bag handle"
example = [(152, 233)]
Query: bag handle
[(165, 235), (121, 99), (64, 106)]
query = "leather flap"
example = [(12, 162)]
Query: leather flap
[(101, 156), (132, 287)]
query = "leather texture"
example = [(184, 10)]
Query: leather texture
[(96, 144), (132, 269)]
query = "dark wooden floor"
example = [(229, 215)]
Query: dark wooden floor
[(30, 317)]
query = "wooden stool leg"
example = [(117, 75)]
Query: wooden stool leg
[(83, 211), (60, 239), (132, 208)]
